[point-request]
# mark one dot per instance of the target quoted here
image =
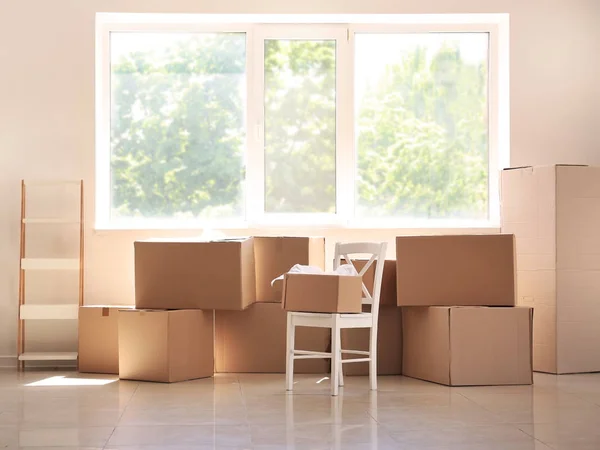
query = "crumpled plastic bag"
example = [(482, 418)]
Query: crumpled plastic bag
[(344, 269)]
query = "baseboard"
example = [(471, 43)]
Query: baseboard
[(8, 362)]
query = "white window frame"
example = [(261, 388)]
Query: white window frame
[(258, 217), (103, 96), (497, 150), (343, 29)]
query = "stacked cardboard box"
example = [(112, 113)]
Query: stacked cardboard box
[(149, 345), (555, 215), (202, 307), (242, 337), (460, 323), (165, 345), (179, 283), (194, 274)]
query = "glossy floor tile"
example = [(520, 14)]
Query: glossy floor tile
[(65, 410)]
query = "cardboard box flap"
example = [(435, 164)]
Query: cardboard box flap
[(192, 239), (108, 306), (517, 168), (535, 167), (104, 310)]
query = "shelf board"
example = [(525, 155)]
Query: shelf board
[(50, 220), (49, 312), (50, 264), (48, 356)]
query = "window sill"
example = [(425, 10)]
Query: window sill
[(431, 226)]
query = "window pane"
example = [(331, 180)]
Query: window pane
[(422, 125), (300, 126), (177, 125)]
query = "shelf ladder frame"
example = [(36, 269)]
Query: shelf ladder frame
[(22, 255)]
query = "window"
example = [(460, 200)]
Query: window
[(422, 125), (300, 125), (249, 121), (177, 132)]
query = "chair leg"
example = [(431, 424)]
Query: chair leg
[(289, 361), (335, 355), (373, 361)]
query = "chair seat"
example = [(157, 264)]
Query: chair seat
[(353, 320), (365, 315), (326, 315)]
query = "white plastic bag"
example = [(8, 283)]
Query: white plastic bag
[(344, 269)]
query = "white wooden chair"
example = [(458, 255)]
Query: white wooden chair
[(336, 322)]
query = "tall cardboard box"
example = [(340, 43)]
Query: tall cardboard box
[(388, 282), (468, 346), (462, 270), (194, 274), (554, 212), (389, 344), (254, 341), (165, 346), (99, 339), (322, 293), (275, 256)]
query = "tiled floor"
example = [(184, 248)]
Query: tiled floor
[(47, 410)]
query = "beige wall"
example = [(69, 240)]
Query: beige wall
[(47, 106)]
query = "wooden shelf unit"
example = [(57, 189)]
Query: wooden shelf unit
[(62, 311)]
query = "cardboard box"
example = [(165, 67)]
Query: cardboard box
[(99, 339), (275, 256), (468, 346), (165, 346), (389, 344), (254, 341), (554, 212), (193, 274), (463, 270), (388, 282), (321, 293)]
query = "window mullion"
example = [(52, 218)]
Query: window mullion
[(345, 153), (255, 172)]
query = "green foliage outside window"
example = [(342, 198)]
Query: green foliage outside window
[(178, 132)]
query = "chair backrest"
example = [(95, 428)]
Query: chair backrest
[(375, 252)]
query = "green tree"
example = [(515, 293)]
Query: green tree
[(300, 126), (422, 139), (177, 132)]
